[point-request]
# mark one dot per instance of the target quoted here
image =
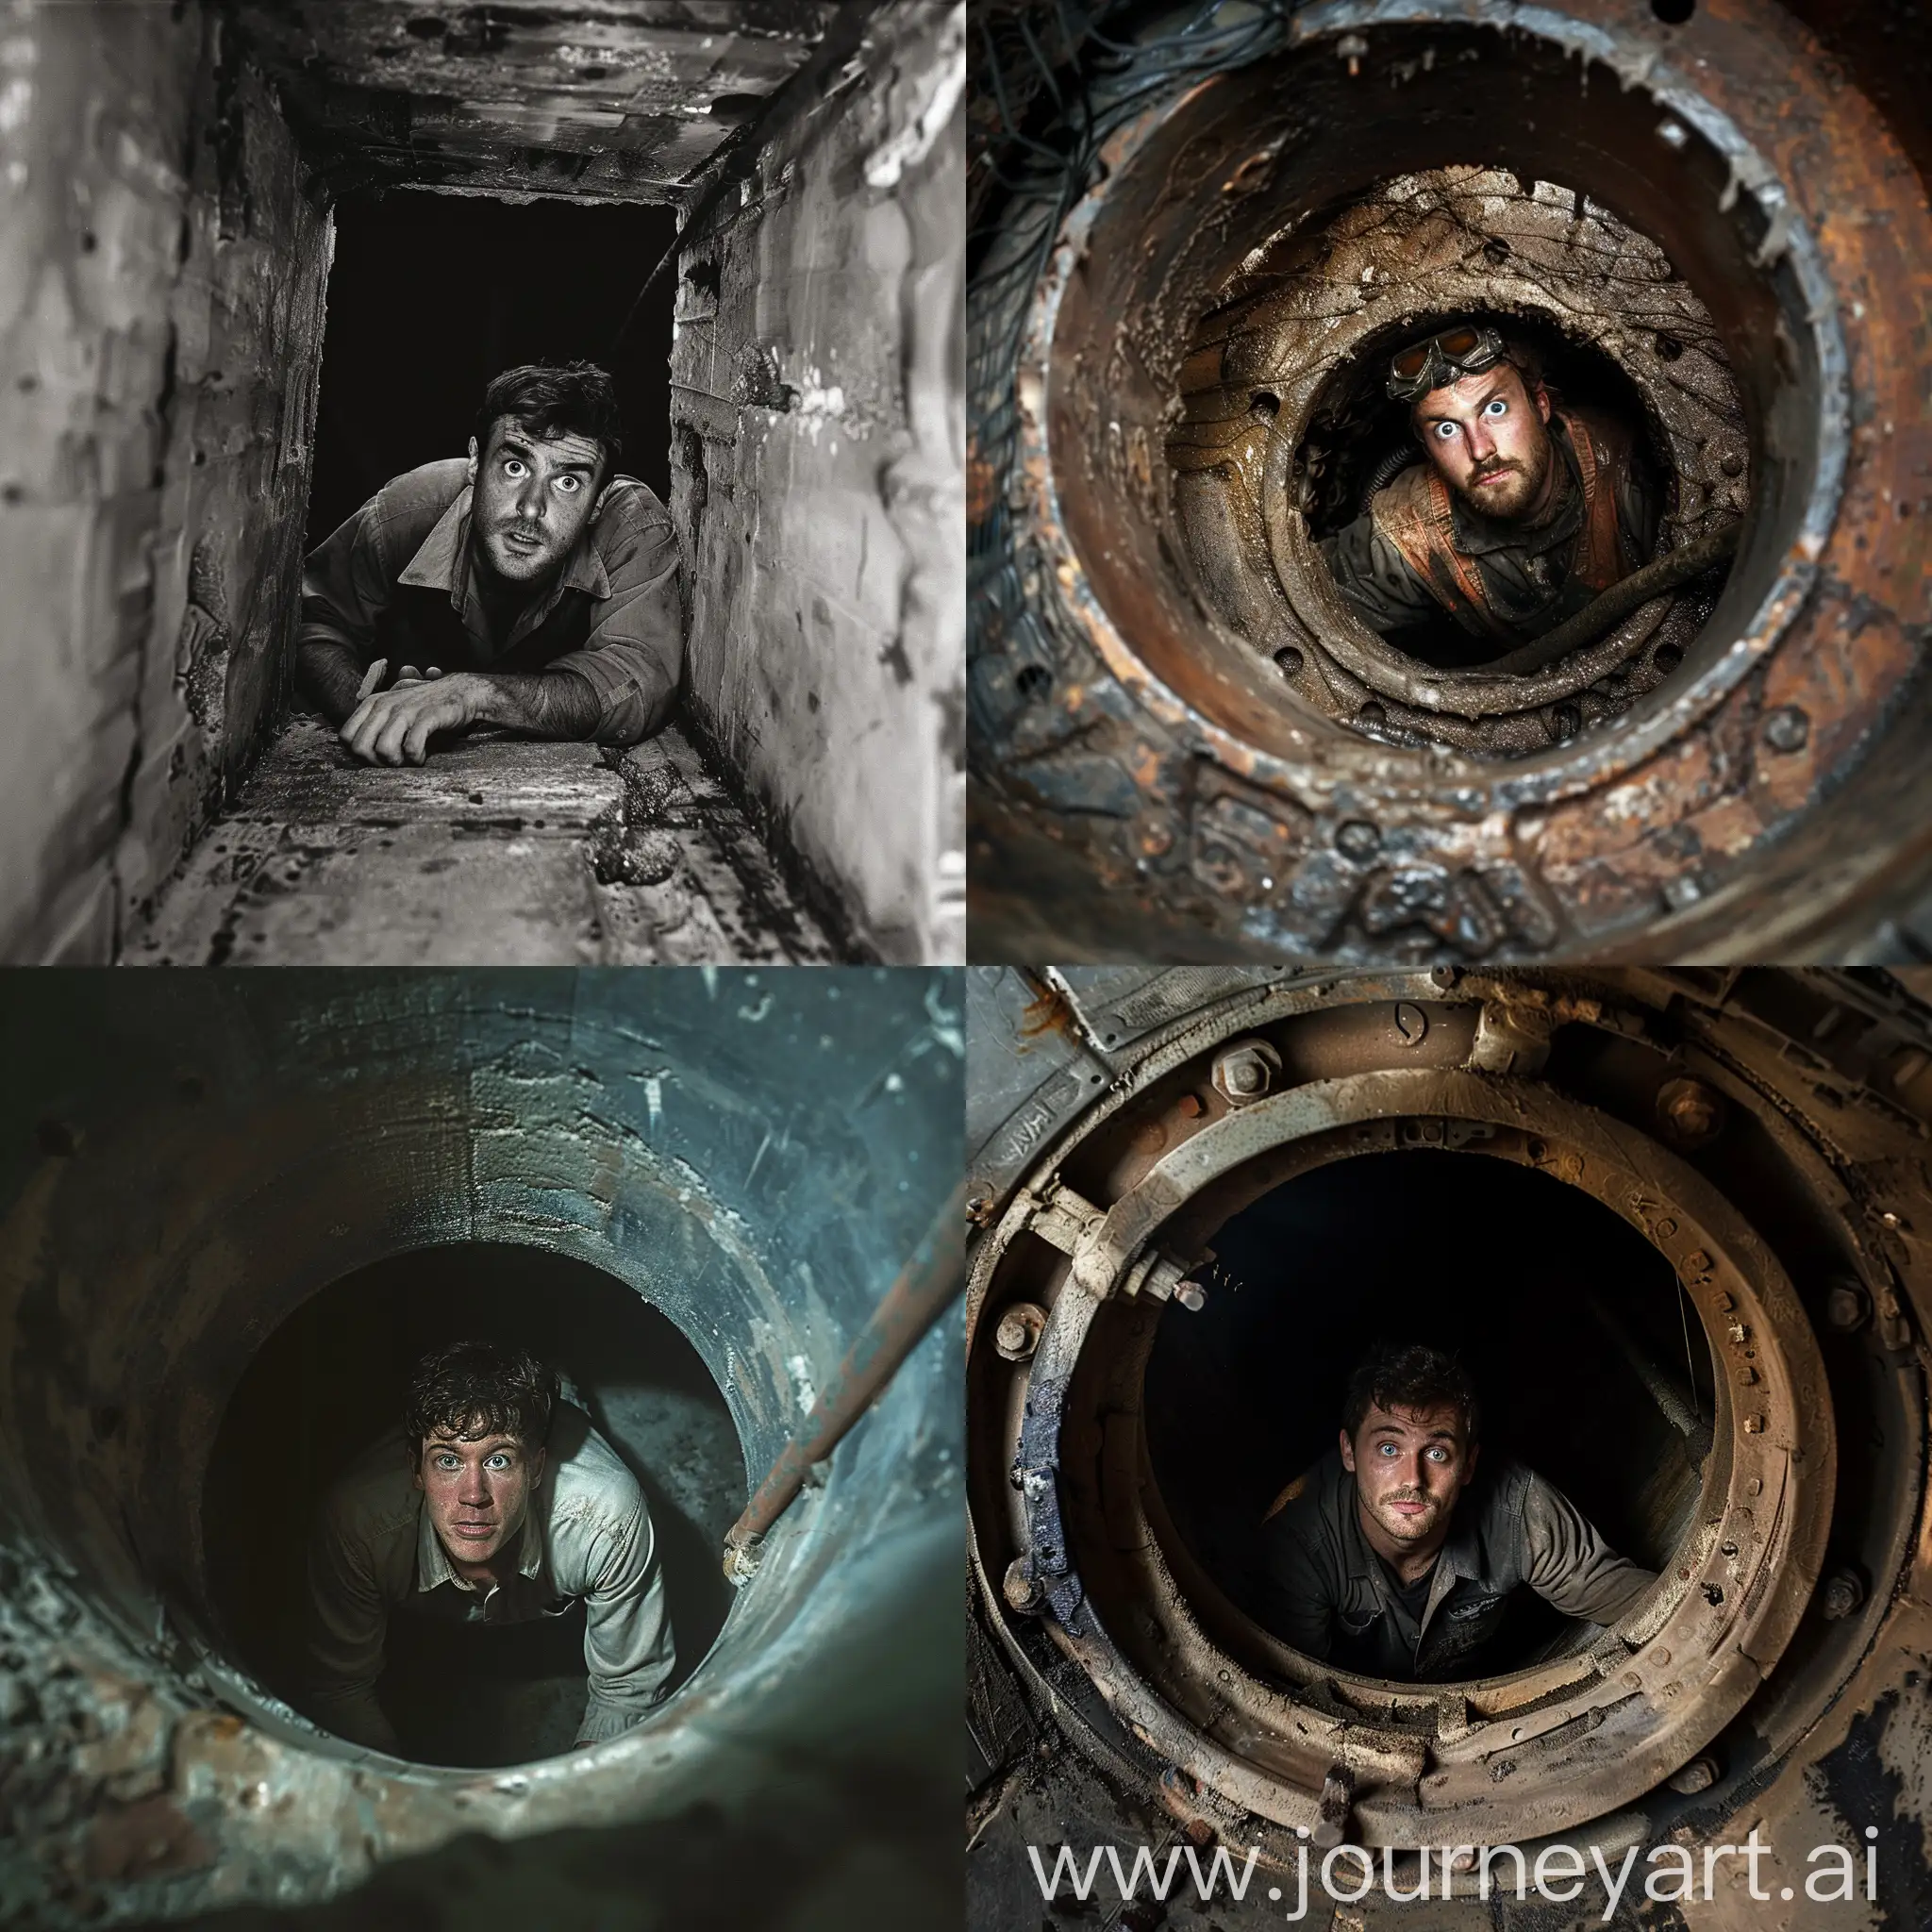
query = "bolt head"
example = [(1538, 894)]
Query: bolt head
[(1244, 1073), (1022, 1590), (1191, 1296), (1019, 1331), (1847, 1306), (1787, 728), (1698, 1776), (1843, 1592), (1693, 1112)]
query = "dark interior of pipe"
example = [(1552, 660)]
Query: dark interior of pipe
[(330, 1380), (1355, 430), (1545, 1294), (430, 296)]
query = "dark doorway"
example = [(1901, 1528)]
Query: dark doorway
[(431, 295), (330, 1380), (1567, 1318)]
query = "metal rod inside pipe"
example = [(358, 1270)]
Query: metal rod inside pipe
[(929, 1280)]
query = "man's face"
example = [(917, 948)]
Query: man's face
[(1409, 1466), (531, 496), (1485, 433), (477, 1492)]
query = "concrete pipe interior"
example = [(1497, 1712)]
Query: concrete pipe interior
[(1573, 1325), (696, 1186), (1207, 194), (1652, 1255), (332, 1379)]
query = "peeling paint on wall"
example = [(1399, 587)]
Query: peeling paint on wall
[(818, 419), (160, 302)]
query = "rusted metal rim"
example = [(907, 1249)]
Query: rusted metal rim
[(1581, 1735), (1804, 528), (1140, 766)]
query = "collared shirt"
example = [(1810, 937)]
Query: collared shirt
[(587, 1534), (1325, 1591), (1524, 568), (397, 580)]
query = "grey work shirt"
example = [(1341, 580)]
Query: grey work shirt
[(587, 1534), (1524, 568), (397, 581), (1326, 1592)]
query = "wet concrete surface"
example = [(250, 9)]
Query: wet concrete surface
[(498, 849)]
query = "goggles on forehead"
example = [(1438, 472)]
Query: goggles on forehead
[(1439, 359)]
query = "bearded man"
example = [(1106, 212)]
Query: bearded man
[(1521, 513)]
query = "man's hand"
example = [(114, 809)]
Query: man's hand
[(394, 727)]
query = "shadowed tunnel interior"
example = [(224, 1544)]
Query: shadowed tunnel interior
[(331, 1380), (431, 295), (1547, 1298), (233, 1208)]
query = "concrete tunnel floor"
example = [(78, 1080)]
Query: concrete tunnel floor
[(497, 848), (1545, 1296), (332, 1379)]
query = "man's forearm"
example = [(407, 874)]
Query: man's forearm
[(552, 704), (331, 675)]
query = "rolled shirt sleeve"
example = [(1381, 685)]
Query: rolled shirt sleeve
[(635, 651), (628, 1648), (1569, 1565), (345, 586), (347, 1620)]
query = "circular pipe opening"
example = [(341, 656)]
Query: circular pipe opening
[(1208, 192), (329, 1383), (746, 1160), (1591, 1370)]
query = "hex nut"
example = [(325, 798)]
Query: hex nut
[(1018, 1334), (1244, 1070), (1845, 1590), (1693, 1112), (1698, 1776), (1022, 1588), (1847, 1306)]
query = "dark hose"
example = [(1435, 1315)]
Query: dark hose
[(1660, 575)]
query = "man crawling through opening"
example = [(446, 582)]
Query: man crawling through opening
[(493, 1504), (529, 587), (1390, 1560), (1523, 512)]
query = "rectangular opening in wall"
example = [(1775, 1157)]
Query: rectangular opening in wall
[(431, 295)]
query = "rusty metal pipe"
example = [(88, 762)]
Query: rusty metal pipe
[(934, 1275)]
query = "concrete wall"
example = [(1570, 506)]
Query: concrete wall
[(161, 306), (819, 445)]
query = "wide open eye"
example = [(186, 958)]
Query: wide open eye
[(1496, 406), (513, 467), (569, 485), (1448, 431)]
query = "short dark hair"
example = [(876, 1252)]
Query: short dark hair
[(556, 399), (474, 1388), (1411, 1376)]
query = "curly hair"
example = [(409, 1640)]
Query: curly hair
[(1412, 1376), (473, 1389), (554, 399)]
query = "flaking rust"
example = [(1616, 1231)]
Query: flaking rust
[(1174, 719)]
